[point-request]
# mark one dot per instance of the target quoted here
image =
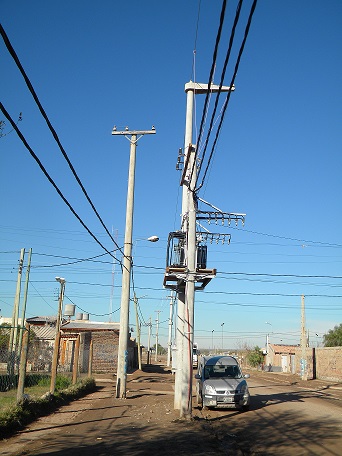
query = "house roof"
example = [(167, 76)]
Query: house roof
[(86, 325), (279, 348), (44, 332), (41, 320)]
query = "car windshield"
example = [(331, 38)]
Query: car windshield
[(222, 371)]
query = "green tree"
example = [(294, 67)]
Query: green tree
[(255, 357), (161, 350), (333, 338)]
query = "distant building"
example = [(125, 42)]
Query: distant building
[(99, 340), (283, 357)]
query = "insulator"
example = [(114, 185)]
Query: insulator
[(222, 220), (217, 240), (229, 221), (208, 221), (236, 222)]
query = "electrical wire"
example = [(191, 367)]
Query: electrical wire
[(249, 21), (212, 69), (230, 46), (22, 138), (52, 130), (90, 313)]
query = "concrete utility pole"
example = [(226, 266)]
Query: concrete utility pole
[(135, 299), (157, 335), (186, 298), (54, 363), (149, 341), (133, 137), (169, 341), (303, 361)]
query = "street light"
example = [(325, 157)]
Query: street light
[(222, 335), (57, 336)]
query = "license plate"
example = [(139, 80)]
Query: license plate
[(228, 399)]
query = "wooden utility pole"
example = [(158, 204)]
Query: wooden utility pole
[(12, 347), (54, 364), (23, 362), (76, 358), (23, 310)]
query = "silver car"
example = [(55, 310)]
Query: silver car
[(220, 383)]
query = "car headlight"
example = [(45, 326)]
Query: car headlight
[(208, 389), (242, 389)]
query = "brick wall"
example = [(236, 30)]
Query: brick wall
[(105, 351), (329, 363), (324, 363)]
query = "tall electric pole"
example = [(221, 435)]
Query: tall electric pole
[(169, 341), (54, 363), (133, 137), (157, 335), (149, 341), (303, 361), (12, 348), (186, 297)]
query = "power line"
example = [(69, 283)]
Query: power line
[(22, 138), (283, 275), (229, 93), (53, 131), (90, 313), (212, 69), (231, 40)]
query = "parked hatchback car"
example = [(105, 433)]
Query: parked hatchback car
[(220, 383)]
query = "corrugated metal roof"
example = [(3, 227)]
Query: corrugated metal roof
[(87, 325), (41, 320), (44, 332)]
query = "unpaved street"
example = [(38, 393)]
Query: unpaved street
[(287, 417)]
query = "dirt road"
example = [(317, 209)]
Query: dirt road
[(286, 417), (143, 424)]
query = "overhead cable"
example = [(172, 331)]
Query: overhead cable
[(229, 93), (22, 138), (54, 134), (230, 46), (212, 69)]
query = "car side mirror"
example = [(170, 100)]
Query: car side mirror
[(197, 377), (246, 376)]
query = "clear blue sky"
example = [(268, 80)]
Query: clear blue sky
[(278, 159)]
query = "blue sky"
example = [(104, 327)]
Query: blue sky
[(278, 159)]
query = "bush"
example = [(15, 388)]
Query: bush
[(16, 417)]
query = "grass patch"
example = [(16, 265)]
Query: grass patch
[(17, 416)]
